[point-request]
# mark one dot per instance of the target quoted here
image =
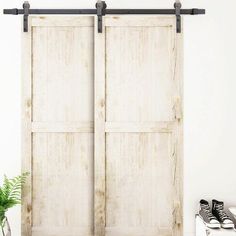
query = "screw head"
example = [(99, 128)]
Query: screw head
[(26, 4), (177, 5)]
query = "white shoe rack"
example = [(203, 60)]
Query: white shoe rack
[(203, 230)]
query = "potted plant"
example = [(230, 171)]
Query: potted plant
[(10, 196)]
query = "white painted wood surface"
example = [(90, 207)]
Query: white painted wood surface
[(26, 165), (58, 88), (100, 138), (102, 127), (143, 126)]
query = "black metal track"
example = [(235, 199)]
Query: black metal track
[(193, 11), (101, 10)]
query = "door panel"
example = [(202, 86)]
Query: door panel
[(141, 68), (137, 184), (62, 170), (62, 74)]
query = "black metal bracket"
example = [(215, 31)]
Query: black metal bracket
[(101, 11), (26, 7), (177, 7)]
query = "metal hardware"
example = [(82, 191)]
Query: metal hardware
[(101, 11), (193, 11), (14, 11), (26, 7), (177, 7)]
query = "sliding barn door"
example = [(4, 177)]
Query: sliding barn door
[(138, 128), (58, 116), (102, 127)]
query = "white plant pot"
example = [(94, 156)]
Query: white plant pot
[(6, 231)]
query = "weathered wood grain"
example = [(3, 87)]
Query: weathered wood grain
[(58, 126), (62, 21), (143, 126), (61, 127), (102, 126), (99, 143), (62, 183), (26, 112), (138, 127), (139, 77), (139, 181), (63, 72)]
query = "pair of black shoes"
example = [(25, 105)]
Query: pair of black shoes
[(215, 217)]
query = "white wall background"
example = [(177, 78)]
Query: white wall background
[(210, 97)]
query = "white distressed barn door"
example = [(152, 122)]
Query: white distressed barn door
[(58, 116), (138, 127), (102, 127)]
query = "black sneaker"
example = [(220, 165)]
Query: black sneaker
[(219, 213), (208, 218)]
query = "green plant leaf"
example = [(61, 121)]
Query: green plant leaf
[(10, 193)]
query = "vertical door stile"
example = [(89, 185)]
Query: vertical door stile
[(26, 102), (177, 133), (99, 143)]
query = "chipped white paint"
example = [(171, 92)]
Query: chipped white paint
[(58, 90), (99, 141), (26, 131), (143, 126), (102, 127)]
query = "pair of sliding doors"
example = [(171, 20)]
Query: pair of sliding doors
[(102, 127)]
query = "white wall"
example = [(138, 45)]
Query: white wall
[(210, 98)]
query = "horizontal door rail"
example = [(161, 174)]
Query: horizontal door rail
[(193, 11), (101, 11)]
